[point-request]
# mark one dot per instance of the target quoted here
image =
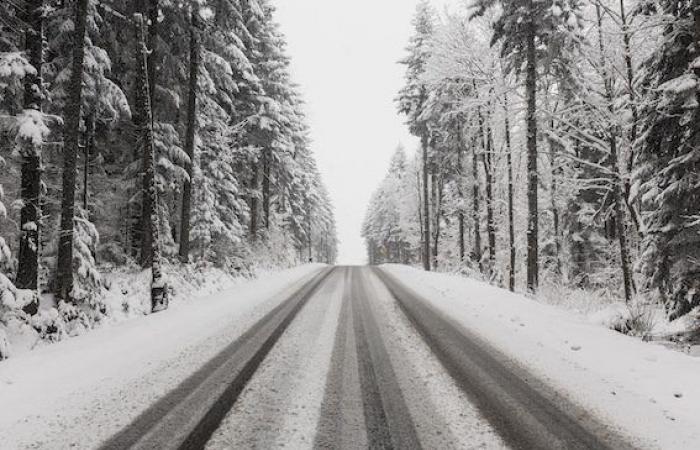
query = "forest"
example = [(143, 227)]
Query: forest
[(146, 135), (558, 148)]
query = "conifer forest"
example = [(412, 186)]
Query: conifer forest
[(147, 133), (322, 224)]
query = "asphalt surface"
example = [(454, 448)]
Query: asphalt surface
[(354, 359)]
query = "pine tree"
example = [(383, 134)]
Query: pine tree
[(412, 100), (30, 216), (669, 160), (190, 135), (159, 293), (70, 150)]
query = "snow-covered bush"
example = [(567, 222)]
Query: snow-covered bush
[(88, 285), (49, 324)]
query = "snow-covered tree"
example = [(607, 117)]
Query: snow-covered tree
[(666, 178), (412, 100), (532, 33)]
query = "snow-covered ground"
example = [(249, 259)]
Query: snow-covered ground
[(646, 390), (446, 418), (80, 391), (281, 405)]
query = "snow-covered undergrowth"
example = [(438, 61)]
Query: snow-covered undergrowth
[(643, 389), (125, 295), (642, 318)]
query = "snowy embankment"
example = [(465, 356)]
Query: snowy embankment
[(82, 390), (646, 390)]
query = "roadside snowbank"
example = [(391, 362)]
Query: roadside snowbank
[(80, 391), (647, 391), (126, 295)]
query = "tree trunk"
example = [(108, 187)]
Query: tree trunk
[(460, 195), (616, 181), (308, 212), (476, 216), (159, 297), (511, 225), (532, 175), (437, 211), (30, 184), (434, 215), (190, 136), (88, 151), (266, 187), (487, 161), (554, 169), (426, 202), (254, 207), (626, 39), (152, 47), (70, 152)]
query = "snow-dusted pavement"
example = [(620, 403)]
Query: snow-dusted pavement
[(343, 357)]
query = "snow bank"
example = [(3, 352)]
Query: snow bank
[(80, 391), (127, 295), (648, 392)]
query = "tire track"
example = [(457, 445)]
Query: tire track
[(524, 410), (188, 415), (387, 420)]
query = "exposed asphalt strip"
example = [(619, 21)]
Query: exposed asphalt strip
[(387, 420), (187, 416), (523, 409)]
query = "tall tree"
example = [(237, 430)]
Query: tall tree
[(412, 100), (190, 135), (30, 215), (511, 212), (617, 182), (159, 294), (669, 160), (70, 151)]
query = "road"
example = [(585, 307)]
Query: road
[(355, 359)]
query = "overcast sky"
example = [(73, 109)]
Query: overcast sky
[(344, 57)]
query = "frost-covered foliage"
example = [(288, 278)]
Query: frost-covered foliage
[(88, 286), (391, 226), (615, 106), (667, 179)]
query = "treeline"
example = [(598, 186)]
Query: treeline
[(559, 143), (170, 129)]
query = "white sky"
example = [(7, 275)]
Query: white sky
[(345, 58)]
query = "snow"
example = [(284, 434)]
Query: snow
[(446, 416), (679, 85), (281, 405), (102, 380), (648, 392), (31, 126)]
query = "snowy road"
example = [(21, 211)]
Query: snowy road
[(354, 359), (358, 357)]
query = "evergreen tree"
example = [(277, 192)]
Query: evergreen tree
[(412, 99), (30, 216), (72, 115), (669, 160)]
